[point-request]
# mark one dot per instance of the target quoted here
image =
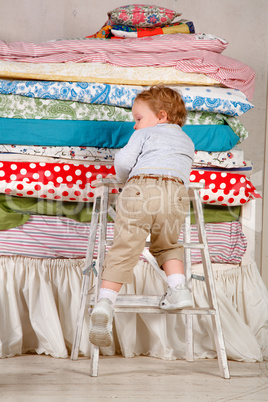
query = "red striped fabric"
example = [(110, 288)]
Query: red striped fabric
[(61, 237), (64, 48), (183, 52)]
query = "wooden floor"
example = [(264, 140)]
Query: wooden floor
[(43, 378)]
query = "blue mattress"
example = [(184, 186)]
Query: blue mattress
[(110, 134)]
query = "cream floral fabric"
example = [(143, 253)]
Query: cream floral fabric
[(98, 72), (227, 159)]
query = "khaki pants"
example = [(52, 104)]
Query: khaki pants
[(146, 206)]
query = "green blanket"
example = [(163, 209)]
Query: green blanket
[(15, 211)]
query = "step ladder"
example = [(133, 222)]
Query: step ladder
[(102, 207)]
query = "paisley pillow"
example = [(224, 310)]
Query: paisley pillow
[(142, 15)]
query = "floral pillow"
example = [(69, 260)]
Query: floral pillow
[(142, 15)]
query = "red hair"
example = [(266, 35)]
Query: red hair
[(159, 97)]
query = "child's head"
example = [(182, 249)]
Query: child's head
[(159, 104)]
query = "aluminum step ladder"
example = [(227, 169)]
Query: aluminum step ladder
[(103, 201)]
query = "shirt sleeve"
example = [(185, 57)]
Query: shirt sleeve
[(127, 157)]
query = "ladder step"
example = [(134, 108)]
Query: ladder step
[(149, 304), (185, 245), (158, 310), (194, 245)]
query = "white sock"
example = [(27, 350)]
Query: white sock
[(175, 279), (108, 294)]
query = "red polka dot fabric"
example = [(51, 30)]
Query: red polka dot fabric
[(72, 182), (222, 188), (54, 181)]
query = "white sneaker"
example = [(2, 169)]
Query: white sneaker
[(176, 298), (101, 323)]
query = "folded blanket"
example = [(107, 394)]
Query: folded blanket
[(197, 98), (123, 31), (120, 31)]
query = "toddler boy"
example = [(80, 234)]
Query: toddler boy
[(155, 164)]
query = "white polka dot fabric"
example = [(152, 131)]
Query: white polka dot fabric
[(54, 181), (222, 188), (72, 182)]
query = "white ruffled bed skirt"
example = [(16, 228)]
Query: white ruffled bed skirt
[(39, 300)]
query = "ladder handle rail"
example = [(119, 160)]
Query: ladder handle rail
[(210, 284), (86, 279)]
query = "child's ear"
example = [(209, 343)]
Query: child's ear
[(162, 116)]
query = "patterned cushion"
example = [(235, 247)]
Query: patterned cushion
[(141, 15), (222, 100), (223, 188)]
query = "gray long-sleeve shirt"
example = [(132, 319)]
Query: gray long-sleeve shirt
[(162, 150)]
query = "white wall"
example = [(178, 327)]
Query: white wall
[(242, 22)]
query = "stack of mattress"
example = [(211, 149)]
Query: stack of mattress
[(65, 110), (58, 136)]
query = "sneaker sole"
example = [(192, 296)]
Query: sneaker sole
[(100, 334), (178, 306)]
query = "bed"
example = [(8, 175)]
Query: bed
[(64, 113)]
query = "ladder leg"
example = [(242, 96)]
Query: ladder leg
[(101, 254), (210, 285), (80, 318), (94, 361), (86, 279), (189, 339), (220, 346), (187, 251)]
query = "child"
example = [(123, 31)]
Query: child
[(155, 164)]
